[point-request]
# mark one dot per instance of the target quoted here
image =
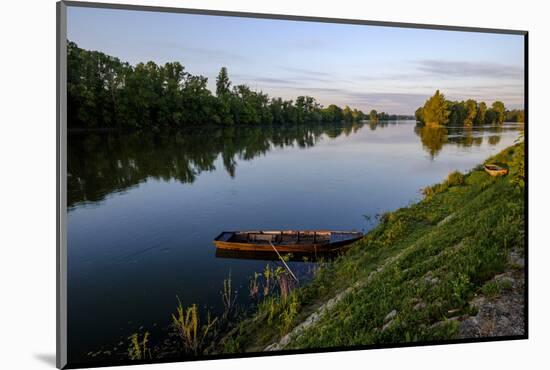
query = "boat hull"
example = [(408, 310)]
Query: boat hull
[(330, 241), (494, 170)]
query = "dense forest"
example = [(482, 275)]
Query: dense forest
[(103, 91), (439, 111)]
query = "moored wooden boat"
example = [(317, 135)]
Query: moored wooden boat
[(286, 241), (494, 170)]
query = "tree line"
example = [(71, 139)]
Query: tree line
[(439, 111), (374, 116), (103, 91)]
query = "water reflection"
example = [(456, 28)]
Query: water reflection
[(101, 163), (433, 139), (104, 162), (272, 256)]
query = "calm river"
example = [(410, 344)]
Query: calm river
[(144, 207)]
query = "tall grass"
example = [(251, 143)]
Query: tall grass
[(288, 313), (186, 322), (229, 297), (139, 350), (254, 287)]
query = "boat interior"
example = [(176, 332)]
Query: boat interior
[(285, 237)]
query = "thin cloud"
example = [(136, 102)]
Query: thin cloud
[(450, 69), (392, 77), (307, 72), (292, 80), (209, 53), (311, 44), (263, 80), (469, 69), (408, 102)]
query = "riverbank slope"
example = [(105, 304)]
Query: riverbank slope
[(448, 267)]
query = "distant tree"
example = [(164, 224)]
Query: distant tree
[(373, 116), (515, 115), (290, 112), (332, 113), (481, 110), (457, 114), (520, 116), (276, 108), (223, 84), (224, 102), (347, 115), (419, 115), (435, 111), (490, 117), (197, 103), (357, 115), (471, 112), (383, 116), (499, 109)]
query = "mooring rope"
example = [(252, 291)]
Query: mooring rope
[(288, 268)]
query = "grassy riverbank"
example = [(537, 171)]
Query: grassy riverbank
[(420, 275), (448, 267)]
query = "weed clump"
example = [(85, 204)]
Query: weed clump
[(455, 178), (193, 336), (138, 350)]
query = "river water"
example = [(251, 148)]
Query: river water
[(143, 208)]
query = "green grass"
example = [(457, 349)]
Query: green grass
[(436, 254)]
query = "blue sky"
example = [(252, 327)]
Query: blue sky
[(366, 67)]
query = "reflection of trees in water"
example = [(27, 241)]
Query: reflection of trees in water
[(435, 138), (100, 163), (373, 125), (494, 139), (106, 162), (432, 138)]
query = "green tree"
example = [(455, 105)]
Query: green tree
[(520, 116), (515, 115), (332, 113), (457, 114), (490, 116), (223, 92), (357, 115), (499, 109), (481, 110), (373, 116), (436, 110), (276, 108), (419, 115), (383, 116), (471, 112), (172, 75), (223, 84), (347, 115)]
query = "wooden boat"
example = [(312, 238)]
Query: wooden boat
[(494, 170), (286, 241)]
